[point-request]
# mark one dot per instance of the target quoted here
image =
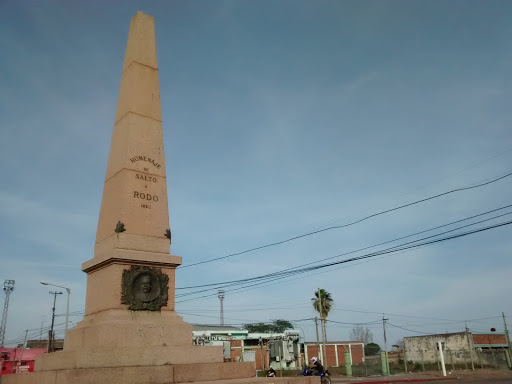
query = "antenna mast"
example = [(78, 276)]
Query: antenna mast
[(8, 288), (221, 298)]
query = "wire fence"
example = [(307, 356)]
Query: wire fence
[(492, 358)]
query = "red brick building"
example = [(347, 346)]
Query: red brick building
[(14, 360), (335, 352), (489, 340)]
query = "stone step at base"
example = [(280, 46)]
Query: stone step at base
[(215, 373), (267, 380)]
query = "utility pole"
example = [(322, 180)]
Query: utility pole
[(506, 330), (21, 356), (67, 305), (385, 342), (470, 349), (508, 339), (220, 295), (8, 288), (51, 337), (317, 341)]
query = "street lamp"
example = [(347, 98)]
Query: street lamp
[(67, 306)]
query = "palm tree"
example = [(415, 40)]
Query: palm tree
[(322, 303)]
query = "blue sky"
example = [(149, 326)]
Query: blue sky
[(280, 118)]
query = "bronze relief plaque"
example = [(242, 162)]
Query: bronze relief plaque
[(144, 288)]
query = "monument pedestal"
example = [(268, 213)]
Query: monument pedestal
[(118, 338), (138, 347)]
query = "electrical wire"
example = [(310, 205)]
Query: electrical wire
[(349, 224), (387, 251), (411, 330), (298, 268), (341, 322)]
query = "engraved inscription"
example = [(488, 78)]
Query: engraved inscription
[(145, 196), (145, 158), (148, 178), (145, 179)]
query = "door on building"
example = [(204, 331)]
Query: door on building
[(250, 356)]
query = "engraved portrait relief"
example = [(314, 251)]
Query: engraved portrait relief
[(144, 288)]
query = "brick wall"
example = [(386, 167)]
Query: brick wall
[(312, 351), (489, 339), (236, 350), (357, 354), (259, 354), (330, 352), (341, 353), (332, 348)]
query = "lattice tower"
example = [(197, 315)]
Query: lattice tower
[(8, 288), (221, 298)]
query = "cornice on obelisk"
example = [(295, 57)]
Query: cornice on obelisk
[(135, 190)]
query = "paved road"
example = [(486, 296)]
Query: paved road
[(461, 381), (474, 381)]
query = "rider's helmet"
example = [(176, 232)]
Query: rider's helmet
[(315, 359)]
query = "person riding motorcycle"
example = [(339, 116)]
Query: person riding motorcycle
[(317, 368)]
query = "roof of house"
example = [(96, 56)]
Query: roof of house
[(23, 354), (334, 342), (436, 334), (458, 333), (217, 328)]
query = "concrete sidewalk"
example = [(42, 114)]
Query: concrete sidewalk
[(426, 377), (403, 380)]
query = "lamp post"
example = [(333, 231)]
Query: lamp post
[(67, 305)]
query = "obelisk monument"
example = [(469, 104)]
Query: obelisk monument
[(129, 304), (130, 332)]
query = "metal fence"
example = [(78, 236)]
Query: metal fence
[(453, 359)]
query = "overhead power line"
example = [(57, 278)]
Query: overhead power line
[(296, 268), (278, 276), (410, 245), (348, 224), (341, 322), (411, 330)]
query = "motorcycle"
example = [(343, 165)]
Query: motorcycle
[(324, 376)]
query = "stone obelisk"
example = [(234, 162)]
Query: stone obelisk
[(129, 310), (130, 332)]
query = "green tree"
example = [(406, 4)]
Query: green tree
[(277, 326), (258, 327), (371, 349), (322, 303)]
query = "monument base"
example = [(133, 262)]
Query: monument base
[(215, 373), (120, 338), (136, 347)]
